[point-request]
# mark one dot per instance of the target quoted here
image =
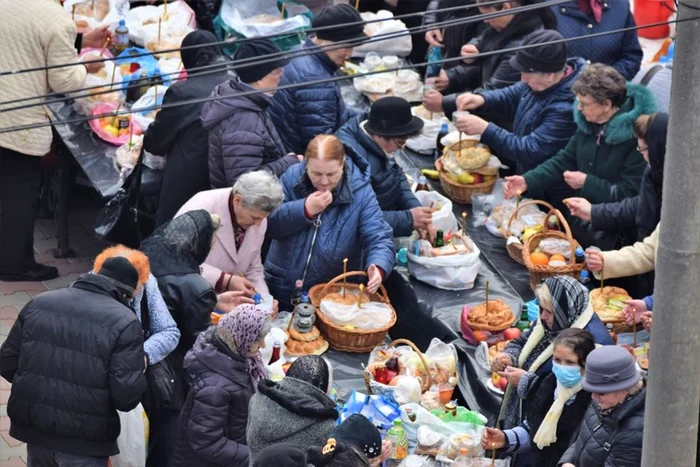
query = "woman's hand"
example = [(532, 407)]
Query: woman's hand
[(594, 260), (467, 51), (632, 313), (579, 207), (515, 185), (442, 81), (500, 361), (275, 309), (471, 125), (493, 438), (575, 180), (513, 375), (432, 101), (375, 279), (434, 37), (317, 202), (227, 301), (646, 320), (240, 284)]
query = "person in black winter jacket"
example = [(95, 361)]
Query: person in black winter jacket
[(225, 368), (242, 137), (177, 132), (176, 250), (376, 137), (634, 219), (492, 71), (451, 38), (613, 428), (74, 357), (556, 404)]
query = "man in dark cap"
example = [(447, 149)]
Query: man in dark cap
[(242, 137), (302, 113), (377, 137), (539, 107), (74, 357)]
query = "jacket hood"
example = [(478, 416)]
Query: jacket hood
[(101, 285), (619, 129), (301, 399), (208, 356), (358, 144), (227, 102)]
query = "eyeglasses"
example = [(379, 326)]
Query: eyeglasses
[(583, 105), (641, 149)]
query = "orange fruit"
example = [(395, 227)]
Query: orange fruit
[(557, 258), (539, 259), (480, 336)]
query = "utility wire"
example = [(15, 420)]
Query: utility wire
[(255, 61), (269, 36), (330, 80)]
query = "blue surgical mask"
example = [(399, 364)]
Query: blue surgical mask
[(567, 375)]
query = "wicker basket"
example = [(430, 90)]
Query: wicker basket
[(374, 387), (539, 273), (515, 250), (462, 193), (345, 340)]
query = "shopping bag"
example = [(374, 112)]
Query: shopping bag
[(385, 37), (455, 272), (133, 439), (443, 218)]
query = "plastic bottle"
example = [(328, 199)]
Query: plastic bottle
[(439, 147), (434, 55), (580, 255), (121, 38), (399, 441), (609, 326), (402, 257), (422, 184), (257, 298), (668, 58), (275, 352), (305, 297), (585, 279), (463, 460)]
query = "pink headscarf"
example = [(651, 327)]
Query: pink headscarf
[(243, 325)]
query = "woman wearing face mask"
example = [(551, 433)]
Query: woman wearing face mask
[(564, 304), (556, 406), (613, 428), (242, 137), (492, 71), (601, 162), (330, 213), (225, 368)]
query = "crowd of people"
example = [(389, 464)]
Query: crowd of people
[(264, 188)]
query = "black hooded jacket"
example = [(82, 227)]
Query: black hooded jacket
[(74, 357), (176, 250)]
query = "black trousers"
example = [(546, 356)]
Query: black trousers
[(163, 425), (20, 181)]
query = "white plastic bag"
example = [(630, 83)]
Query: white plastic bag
[(254, 18), (372, 315), (132, 439), (399, 44), (407, 390), (426, 141), (143, 24), (148, 100), (443, 219), (87, 19), (455, 272), (84, 105)]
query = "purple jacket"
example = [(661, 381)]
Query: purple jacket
[(212, 428), (242, 137)]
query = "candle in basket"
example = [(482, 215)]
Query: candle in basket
[(487, 297), (464, 223), (359, 299), (345, 271)]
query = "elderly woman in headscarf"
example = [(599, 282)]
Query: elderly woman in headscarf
[(177, 132), (564, 303), (176, 250), (225, 367)]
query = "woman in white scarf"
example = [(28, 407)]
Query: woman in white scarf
[(556, 405)]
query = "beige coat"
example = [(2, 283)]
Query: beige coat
[(223, 256), (35, 33), (631, 260)]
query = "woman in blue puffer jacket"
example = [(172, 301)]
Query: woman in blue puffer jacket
[(330, 213)]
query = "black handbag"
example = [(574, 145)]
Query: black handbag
[(122, 220), (160, 377)]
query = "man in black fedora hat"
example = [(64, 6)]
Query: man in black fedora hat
[(376, 137), (539, 107)]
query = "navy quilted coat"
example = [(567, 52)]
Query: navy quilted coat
[(242, 137), (388, 180), (543, 122), (351, 227), (302, 113), (213, 421), (621, 51)]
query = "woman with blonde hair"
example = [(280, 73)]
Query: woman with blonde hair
[(329, 213)]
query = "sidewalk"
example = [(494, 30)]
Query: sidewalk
[(14, 295)]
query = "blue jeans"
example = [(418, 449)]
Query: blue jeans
[(38, 456)]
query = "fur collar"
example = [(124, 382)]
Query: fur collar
[(639, 101)]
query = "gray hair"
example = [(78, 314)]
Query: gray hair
[(265, 329), (259, 190)]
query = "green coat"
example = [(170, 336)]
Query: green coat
[(614, 167)]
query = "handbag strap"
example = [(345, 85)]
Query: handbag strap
[(145, 316)]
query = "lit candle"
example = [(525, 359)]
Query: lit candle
[(487, 297), (464, 222), (359, 299), (114, 71), (159, 25), (357, 5), (493, 454), (282, 10), (519, 193), (104, 47), (165, 9), (345, 271)]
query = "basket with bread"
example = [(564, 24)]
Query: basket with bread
[(523, 221), (608, 303), (467, 167)]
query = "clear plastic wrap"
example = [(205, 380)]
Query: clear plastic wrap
[(370, 315)]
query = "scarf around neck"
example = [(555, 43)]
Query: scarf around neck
[(592, 6)]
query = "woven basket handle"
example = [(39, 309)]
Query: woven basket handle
[(567, 229), (527, 203), (429, 381), (381, 292)]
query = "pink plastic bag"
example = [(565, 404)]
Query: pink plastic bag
[(107, 108)]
